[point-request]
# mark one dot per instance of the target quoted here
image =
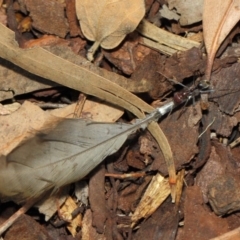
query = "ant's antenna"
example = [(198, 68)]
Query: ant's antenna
[(172, 80)]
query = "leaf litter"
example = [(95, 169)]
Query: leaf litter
[(116, 204), (103, 23)]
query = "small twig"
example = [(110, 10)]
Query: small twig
[(51, 105), (126, 175), (8, 223)]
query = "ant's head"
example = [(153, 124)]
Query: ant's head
[(204, 85)]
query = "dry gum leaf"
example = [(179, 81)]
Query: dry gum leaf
[(219, 17), (94, 110), (190, 11), (107, 22)]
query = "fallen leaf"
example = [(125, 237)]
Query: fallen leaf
[(21, 125), (168, 14), (9, 108), (190, 11), (50, 204), (93, 110), (49, 66), (219, 17), (21, 82), (107, 22)]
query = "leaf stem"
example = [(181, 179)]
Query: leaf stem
[(92, 50)]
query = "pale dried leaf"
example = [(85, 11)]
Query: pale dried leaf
[(49, 204), (107, 22), (92, 109), (30, 119), (169, 14), (42, 63), (189, 10), (12, 77), (9, 108), (219, 17), (22, 125)]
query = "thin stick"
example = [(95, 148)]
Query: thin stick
[(8, 223), (126, 175)]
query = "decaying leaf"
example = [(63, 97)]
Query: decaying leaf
[(107, 22), (190, 11), (219, 17), (49, 66), (11, 77)]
